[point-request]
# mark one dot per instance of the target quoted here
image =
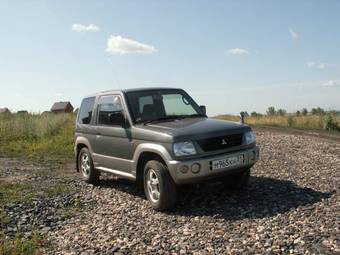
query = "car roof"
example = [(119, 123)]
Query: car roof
[(119, 91)]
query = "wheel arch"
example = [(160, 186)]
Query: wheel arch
[(145, 153), (81, 142)]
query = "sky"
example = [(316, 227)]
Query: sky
[(231, 56)]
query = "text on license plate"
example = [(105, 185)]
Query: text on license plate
[(227, 162)]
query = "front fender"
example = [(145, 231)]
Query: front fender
[(155, 148)]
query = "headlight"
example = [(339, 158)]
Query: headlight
[(184, 149), (249, 137)]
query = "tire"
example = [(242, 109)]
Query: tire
[(158, 180), (237, 181), (86, 168)]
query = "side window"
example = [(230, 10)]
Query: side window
[(110, 111), (86, 108)]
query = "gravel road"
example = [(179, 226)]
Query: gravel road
[(291, 206)]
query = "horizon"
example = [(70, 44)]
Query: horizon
[(230, 56)]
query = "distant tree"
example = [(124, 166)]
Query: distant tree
[(298, 113), (304, 111), (253, 114), (318, 111), (271, 111), (281, 112)]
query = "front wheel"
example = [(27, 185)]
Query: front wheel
[(159, 186)]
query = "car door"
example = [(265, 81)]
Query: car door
[(113, 147)]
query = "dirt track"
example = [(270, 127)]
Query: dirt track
[(291, 206)]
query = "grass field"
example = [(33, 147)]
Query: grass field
[(310, 122), (47, 136), (52, 136)]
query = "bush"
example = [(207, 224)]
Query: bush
[(290, 121), (331, 124)]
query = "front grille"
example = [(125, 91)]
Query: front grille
[(221, 142)]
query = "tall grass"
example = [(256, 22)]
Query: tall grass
[(310, 122), (45, 136)]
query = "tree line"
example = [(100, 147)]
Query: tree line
[(271, 111)]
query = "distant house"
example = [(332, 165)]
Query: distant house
[(62, 107), (4, 110)]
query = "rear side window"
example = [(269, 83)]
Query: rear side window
[(86, 108)]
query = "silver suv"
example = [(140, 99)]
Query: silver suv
[(160, 138)]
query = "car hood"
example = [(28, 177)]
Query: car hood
[(196, 128)]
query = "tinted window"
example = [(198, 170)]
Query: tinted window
[(86, 108), (110, 111)]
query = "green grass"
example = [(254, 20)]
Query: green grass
[(36, 136), (18, 245), (15, 192), (24, 193), (310, 122), (52, 136)]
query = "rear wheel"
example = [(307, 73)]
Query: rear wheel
[(237, 181), (159, 186), (85, 163)]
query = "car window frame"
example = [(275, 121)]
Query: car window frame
[(97, 111)]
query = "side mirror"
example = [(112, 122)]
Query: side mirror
[(203, 109)]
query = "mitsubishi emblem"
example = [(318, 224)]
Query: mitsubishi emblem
[(224, 142)]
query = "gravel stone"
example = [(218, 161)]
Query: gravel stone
[(291, 207)]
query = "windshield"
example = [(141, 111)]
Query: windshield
[(152, 105)]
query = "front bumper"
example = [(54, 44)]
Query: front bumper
[(251, 156)]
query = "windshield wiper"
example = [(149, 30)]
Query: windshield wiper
[(172, 118), (196, 115), (168, 118)]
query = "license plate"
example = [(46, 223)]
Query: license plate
[(227, 162)]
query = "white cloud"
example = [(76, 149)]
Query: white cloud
[(120, 45), (310, 64), (84, 28), (237, 51), (322, 66), (331, 83), (293, 34), (319, 65)]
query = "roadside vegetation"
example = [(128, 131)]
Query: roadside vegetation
[(37, 136), (316, 119), (51, 136)]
